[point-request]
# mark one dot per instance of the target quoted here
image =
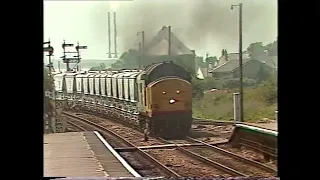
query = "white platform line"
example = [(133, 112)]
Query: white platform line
[(122, 161)]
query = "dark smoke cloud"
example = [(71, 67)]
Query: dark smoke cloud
[(199, 24)]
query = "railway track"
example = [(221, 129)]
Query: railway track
[(145, 164), (203, 160), (261, 143), (173, 160), (225, 160)]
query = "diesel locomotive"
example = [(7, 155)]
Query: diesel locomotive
[(156, 100)]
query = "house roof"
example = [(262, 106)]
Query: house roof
[(230, 65), (200, 74), (159, 44), (235, 56), (268, 60)]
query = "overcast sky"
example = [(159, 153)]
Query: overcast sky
[(203, 25)]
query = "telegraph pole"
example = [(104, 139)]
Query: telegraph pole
[(240, 59)]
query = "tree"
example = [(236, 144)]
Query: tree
[(101, 67), (256, 49), (128, 60), (268, 90), (197, 87), (272, 48)]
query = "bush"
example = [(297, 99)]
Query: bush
[(197, 87), (268, 90), (212, 83), (235, 83)]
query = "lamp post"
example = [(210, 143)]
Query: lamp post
[(240, 58)]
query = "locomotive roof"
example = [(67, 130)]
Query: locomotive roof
[(150, 68)]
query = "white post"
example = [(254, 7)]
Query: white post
[(236, 107), (276, 115)]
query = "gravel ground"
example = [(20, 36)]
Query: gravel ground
[(185, 165), (249, 154)]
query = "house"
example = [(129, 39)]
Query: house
[(157, 50), (159, 45), (228, 66), (201, 67)]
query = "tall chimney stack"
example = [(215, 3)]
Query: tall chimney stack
[(115, 35), (109, 35)]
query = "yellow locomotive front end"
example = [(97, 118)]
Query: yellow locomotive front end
[(169, 105)]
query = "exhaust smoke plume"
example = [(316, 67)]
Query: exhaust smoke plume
[(203, 25)]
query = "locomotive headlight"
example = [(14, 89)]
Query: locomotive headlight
[(172, 101)]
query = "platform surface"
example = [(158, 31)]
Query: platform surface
[(80, 154)]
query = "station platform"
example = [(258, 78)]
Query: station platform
[(83, 154)]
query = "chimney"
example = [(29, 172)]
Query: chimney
[(109, 35), (226, 54), (115, 35)]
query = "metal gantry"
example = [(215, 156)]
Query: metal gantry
[(74, 59)]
